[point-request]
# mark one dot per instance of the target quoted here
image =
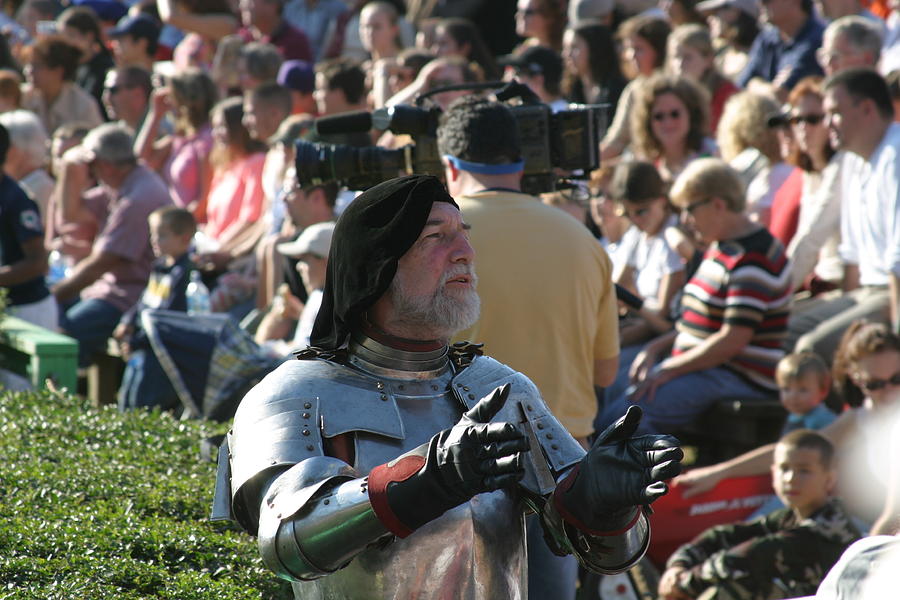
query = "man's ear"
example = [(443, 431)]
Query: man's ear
[(317, 196)]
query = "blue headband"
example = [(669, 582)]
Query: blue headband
[(484, 168)]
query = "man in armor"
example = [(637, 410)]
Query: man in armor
[(387, 464)]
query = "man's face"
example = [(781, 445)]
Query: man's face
[(261, 123), (116, 96), (312, 268), (800, 479), (845, 118), (434, 288), (298, 203), (838, 54), (376, 30), (701, 217), (329, 101), (128, 50)]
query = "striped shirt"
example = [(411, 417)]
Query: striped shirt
[(742, 282)]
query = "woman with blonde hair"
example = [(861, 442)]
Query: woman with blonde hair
[(670, 123), (748, 144), (183, 157), (690, 53)]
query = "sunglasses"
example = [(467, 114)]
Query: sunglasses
[(873, 385), (808, 119), (115, 89), (530, 12), (662, 116)]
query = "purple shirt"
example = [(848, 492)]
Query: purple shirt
[(127, 235)]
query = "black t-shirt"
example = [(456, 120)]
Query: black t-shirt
[(20, 220)]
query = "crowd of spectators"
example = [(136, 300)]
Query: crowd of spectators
[(748, 190)]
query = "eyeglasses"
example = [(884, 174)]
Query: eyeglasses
[(690, 208), (808, 119), (873, 385), (662, 116)]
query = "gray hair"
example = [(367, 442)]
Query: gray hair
[(261, 60), (111, 142), (27, 133), (860, 32)]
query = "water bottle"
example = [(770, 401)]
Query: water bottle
[(197, 296), (58, 268)]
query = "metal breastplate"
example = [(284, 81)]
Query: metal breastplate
[(473, 551)]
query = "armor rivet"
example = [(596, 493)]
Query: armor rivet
[(326, 501), (273, 461), (306, 432), (471, 396), (528, 407), (540, 426), (554, 446), (307, 405), (458, 385), (383, 398), (310, 447), (379, 385), (434, 387), (549, 436), (305, 415), (465, 388), (278, 516)]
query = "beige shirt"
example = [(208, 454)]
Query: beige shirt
[(72, 105), (548, 305)]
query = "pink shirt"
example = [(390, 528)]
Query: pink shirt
[(235, 197), (183, 170)]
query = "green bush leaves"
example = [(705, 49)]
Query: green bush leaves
[(95, 504)]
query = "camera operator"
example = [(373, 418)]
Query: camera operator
[(548, 303)]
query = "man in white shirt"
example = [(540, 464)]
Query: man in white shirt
[(311, 251), (860, 117)]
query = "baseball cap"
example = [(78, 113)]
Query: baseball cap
[(751, 7), (138, 26), (111, 142), (297, 75), (315, 239), (537, 60)]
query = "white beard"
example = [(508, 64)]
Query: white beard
[(442, 311)]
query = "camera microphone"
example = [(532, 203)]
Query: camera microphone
[(351, 122)]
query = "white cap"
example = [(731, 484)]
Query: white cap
[(315, 239)]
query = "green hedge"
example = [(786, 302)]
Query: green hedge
[(97, 504)]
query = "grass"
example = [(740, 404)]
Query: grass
[(96, 504)]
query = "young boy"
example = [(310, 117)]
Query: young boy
[(803, 382), (144, 382), (782, 555)]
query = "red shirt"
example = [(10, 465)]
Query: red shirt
[(786, 207)]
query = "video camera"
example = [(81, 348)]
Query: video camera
[(556, 147)]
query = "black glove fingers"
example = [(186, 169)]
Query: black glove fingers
[(493, 432), (504, 448), (653, 491), (666, 470), (506, 464), (488, 407), (655, 457), (622, 429)]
